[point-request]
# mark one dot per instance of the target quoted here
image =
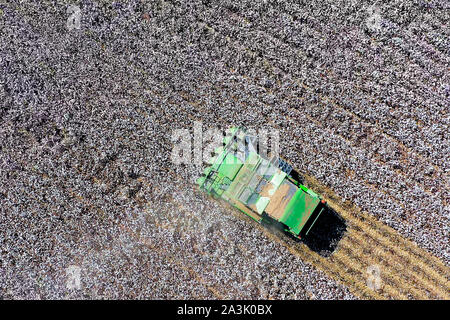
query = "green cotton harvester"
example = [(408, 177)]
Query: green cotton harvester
[(265, 188)]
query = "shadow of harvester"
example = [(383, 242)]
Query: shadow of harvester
[(326, 233)]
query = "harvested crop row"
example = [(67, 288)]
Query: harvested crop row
[(391, 271), (371, 230)]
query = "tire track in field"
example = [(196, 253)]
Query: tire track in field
[(391, 271), (356, 240), (347, 247)]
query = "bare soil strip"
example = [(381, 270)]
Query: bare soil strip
[(423, 271)]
